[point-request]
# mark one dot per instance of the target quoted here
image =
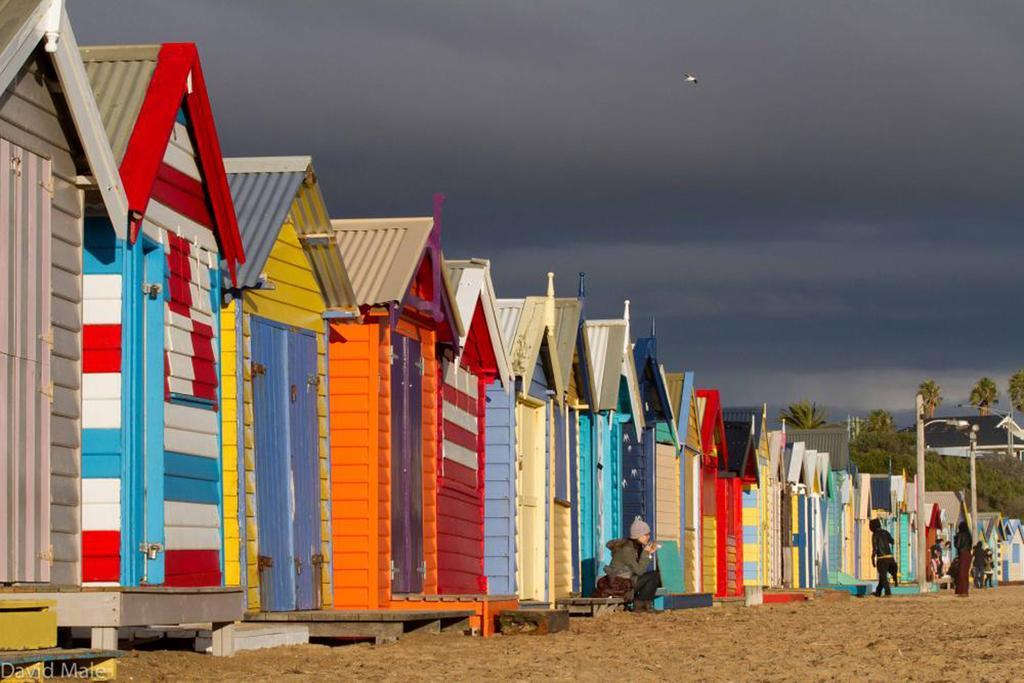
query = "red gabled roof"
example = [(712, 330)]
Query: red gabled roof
[(178, 82), (712, 424)]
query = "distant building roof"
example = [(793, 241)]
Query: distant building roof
[(990, 435), (832, 440)]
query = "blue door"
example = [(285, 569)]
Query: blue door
[(587, 508), (634, 479), (270, 397), (303, 384), (143, 487), (285, 385), (407, 568)]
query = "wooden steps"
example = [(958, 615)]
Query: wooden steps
[(537, 622)]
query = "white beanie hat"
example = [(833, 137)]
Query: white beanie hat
[(638, 528)]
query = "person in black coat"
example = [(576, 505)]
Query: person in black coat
[(963, 541), (881, 556)]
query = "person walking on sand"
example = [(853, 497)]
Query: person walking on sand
[(978, 560), (881, 556), (626, 575), (963, 541)]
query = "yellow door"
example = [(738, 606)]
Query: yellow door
[(530, 500), (666, 469)]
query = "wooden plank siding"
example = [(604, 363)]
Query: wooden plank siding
[(31, 119), (358, 395), (295, 301), (500, 505)]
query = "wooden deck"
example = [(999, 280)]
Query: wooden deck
[(379, 625), (107, 608)]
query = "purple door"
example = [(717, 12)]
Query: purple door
[(407, 568)]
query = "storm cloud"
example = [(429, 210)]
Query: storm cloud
[(832, 213)]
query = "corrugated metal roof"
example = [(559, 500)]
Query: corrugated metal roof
[(605, 340), (948, 502), (509, 312), (834, 440), (266, 192), (120, 75), (262, 201), (471, 282), (381, 255)]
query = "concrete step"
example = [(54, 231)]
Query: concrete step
[(249, 636)]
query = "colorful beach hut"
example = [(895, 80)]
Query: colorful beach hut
[(650, 481), (51, 141), (748, 442), (541, 338), (383, 373), (468, 379), (774, 486), (604, 344), (1012, 552), (722, 506), (274, 378), (688, 428), (386, 389), (565, 551), (152, 330)]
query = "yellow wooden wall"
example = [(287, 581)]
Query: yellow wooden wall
[(229, 429), (666, 469), (709, 553), (296, 301)]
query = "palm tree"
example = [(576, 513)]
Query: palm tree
[(1017, 390), (984, 394), (881, 422), (931, 393), (804, 415)]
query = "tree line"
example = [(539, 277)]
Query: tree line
[(878, 448)]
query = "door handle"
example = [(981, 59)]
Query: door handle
[(295, 394), (298, 565)]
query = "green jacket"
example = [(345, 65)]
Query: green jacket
[(628, 561)]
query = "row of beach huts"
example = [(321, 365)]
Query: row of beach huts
[(228, 406)]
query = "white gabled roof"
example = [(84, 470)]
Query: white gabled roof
[(471, 280)]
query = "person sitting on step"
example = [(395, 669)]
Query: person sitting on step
[(627, 575)]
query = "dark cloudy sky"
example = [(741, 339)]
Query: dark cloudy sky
[(834, 212)]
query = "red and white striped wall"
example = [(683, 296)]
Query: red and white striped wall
[(460, 489), (461, 411), (101, 424)]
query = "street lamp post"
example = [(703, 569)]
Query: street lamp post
[(922, 540), (974, 479)]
